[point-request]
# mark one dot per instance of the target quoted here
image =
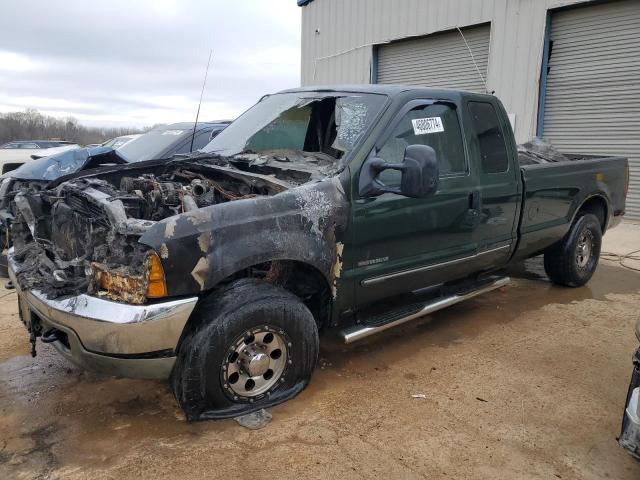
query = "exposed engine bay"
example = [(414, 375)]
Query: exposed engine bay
[(82, 235), (155, 197)]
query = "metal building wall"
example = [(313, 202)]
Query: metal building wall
[(420, 60), (338, 35), (593, 86)]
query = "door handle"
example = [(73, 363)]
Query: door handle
[(474, 200)]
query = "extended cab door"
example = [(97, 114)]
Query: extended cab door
[(494, 157), (402, 244)]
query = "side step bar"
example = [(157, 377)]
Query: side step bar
[(359, 331)]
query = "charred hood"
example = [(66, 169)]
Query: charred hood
[(205, 216)]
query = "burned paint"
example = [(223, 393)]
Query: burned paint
[(170, 228), (337, 269), (199, 272), (204, 241), (315, 205)]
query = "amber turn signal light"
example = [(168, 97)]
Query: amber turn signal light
[(156, 286)]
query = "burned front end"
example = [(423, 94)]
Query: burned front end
[(83, 236), (87, 283), (110, 262)]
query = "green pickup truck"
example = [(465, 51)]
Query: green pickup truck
[(355, 207)]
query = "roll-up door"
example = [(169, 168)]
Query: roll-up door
[(438, 60), (592, 98)]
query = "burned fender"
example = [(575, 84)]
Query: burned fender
[(202, 247)]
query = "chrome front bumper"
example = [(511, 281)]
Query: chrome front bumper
[(115, 338)]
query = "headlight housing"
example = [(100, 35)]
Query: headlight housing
[(122, 284)]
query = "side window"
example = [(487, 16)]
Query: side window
[(200, 140), (434, 125), (493, 150)]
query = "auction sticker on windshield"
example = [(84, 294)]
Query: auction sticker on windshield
[(422, 126), (172, 132)]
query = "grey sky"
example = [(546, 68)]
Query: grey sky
[(140, 62)]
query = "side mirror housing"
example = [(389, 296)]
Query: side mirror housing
[(420, 174)]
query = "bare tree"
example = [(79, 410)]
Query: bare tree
[(32, 125)]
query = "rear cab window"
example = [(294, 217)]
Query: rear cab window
[(490, 138)]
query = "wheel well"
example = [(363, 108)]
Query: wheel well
[(598, 207), (303, 280)]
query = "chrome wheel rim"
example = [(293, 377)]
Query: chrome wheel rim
[(255, 363), (584, 249)]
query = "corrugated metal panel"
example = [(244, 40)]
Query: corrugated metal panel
[(593, 86), (438, 60), (332, 28)]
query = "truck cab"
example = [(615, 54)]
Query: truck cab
[(468, 224)]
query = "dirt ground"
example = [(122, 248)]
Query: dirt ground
[(525, 382)]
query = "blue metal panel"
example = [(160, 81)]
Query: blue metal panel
[(543, 75), (374, 64)]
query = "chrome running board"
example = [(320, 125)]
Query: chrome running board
[(359, 331)]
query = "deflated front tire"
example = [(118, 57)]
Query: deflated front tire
[(251, 345)]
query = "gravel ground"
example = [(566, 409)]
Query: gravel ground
[(525, 382)]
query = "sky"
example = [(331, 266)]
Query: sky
[(137, 63)]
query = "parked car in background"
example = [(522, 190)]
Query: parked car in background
[(119, 141), (33, 144), (630, 435), (359, 207), (169, 140), (14, 154)]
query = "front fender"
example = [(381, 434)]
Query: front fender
[(200, 248)]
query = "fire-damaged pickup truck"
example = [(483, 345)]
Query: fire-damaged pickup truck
[(357, 207)]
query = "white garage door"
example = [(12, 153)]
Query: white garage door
[(592, 100), (439, 60)]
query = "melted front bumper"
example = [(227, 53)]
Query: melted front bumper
[(114, 338)]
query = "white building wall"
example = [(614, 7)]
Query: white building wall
[(338, 38)]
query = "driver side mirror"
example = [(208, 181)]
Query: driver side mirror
[(420, 174)]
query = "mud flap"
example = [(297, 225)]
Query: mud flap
[(630, 435)]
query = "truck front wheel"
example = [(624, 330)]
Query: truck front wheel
[(254, 345), (573, 260)]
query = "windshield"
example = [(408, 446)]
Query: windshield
[(117, 142), (152, 144), (330, 123)]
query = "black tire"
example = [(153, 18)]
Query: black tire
[(564, 264), (198, 378)]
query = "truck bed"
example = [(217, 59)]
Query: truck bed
[(554, 190)]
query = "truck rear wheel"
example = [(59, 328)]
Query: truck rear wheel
[(255, 345), (573, 260)]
